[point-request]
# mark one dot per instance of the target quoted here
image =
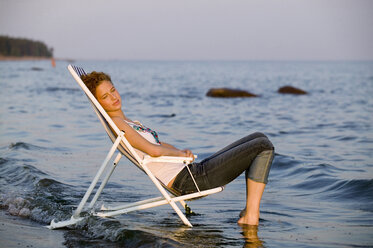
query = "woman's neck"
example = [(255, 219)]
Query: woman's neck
[(118, 113)]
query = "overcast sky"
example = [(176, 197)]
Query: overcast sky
[(195, 29)]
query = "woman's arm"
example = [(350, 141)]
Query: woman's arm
[(188, 152), (168, 145), (140, 143)]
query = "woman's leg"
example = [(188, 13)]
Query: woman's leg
[(254, 192), (255, 187), (253, 154), (225, 165), (241, 141)]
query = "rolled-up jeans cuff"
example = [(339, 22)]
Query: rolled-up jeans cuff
[(259, 169)]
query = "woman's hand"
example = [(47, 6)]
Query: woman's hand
[(188, 153)]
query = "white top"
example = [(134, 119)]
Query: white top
[(145, 132), (164, 172)]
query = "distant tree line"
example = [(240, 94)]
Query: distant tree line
[(19, 47)]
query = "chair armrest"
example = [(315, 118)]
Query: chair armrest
[(171, 159)]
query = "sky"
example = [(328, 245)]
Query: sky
[(195, 29)]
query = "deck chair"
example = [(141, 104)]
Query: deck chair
[(139, 159)]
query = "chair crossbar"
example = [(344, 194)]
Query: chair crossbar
[(157, 201), (110, 208)]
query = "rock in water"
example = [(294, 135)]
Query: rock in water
[(226, 92), (291, 90)]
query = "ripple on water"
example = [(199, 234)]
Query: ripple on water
[(319, 190)]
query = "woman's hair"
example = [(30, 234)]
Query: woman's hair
[(94, 79)]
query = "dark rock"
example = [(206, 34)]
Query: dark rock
[(36, 69), (226, 92), (291, 90)]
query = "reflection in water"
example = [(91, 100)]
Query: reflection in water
[(250, 234)]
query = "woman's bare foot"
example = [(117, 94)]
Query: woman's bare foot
[(248, 219)]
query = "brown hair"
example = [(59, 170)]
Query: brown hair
[(94, 79)]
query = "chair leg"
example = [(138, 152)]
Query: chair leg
[(95, 180), (166, 196), (106, 179), (180, 214)]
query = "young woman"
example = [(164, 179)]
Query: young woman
[(252, 154)]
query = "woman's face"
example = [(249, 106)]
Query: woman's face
[(108, 96)]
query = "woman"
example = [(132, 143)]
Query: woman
[(252, 154)]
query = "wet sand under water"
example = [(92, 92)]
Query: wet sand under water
[(19, 232)]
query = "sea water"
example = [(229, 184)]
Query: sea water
[(320, 190)]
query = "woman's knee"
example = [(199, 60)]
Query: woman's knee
[(253, 136), (260, 139), (258, 135), (266, 143)]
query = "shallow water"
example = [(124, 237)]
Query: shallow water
[(320, 187)]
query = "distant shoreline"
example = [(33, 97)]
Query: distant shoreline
[(22, 58), (31, 58)]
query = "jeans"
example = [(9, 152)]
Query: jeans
[(253, 154)]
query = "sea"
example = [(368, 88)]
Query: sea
[(320, 189)]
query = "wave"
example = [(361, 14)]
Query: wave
[(56, 90), (23, 145), (61, 89), (95, 232), (33, 194), (31, 147), (162, 115), (15, 205), (323, 181), (17, 175), (29, 192), (359, 190)]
